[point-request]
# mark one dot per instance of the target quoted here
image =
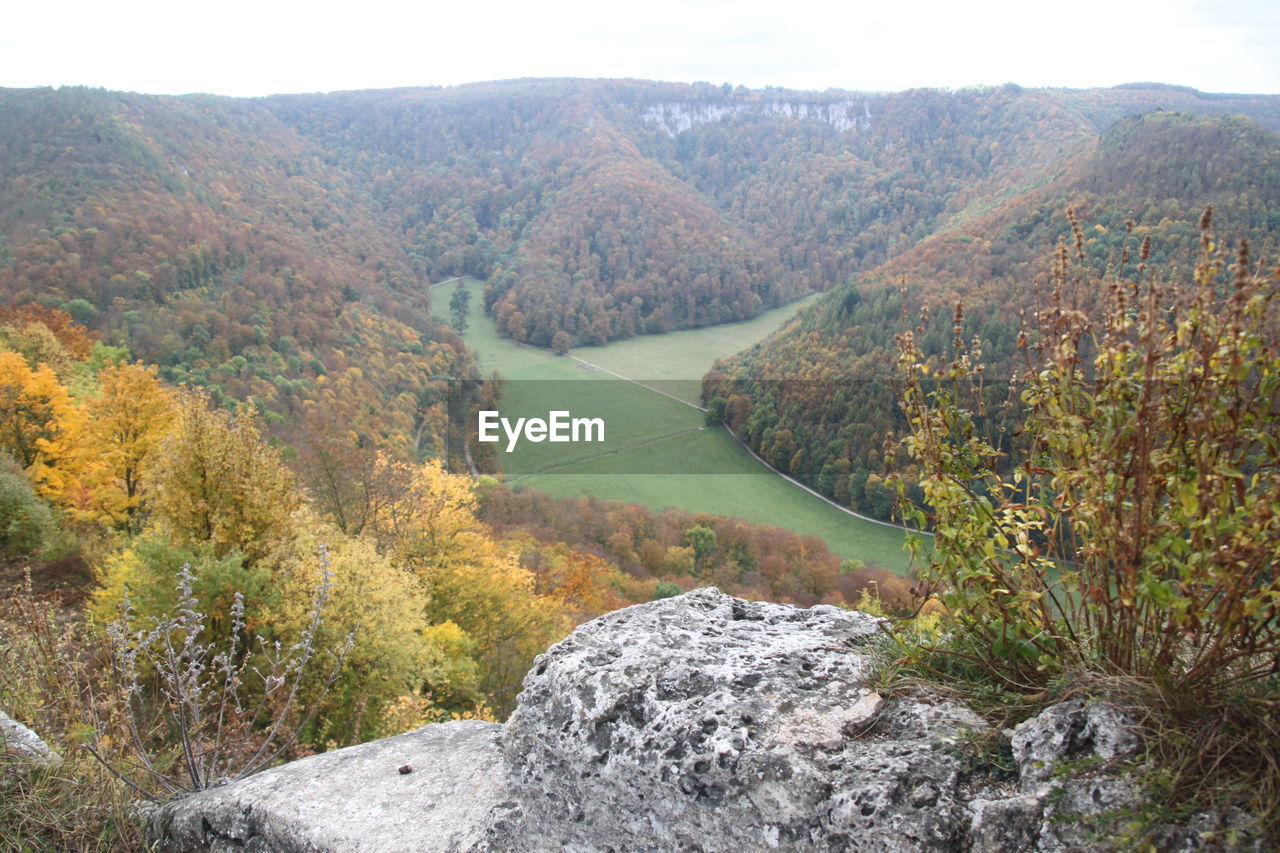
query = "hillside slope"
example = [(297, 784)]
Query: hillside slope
[(818, 398), (210, 238)]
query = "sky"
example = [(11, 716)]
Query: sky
[(244, 48)]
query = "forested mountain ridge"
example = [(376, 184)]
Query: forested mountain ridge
[(279, 249), (538, 188), (818, 398), (611, 208), (208, 237)]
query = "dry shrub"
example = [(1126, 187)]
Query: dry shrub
[(56, 676), (1130, 526), (1137, 530)]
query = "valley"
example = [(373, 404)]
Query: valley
[(278, 252), (660, 454)]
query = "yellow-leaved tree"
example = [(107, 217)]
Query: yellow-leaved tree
[(214, 480), (381, 606), (425, 515), (38, 345), (128, 420), (425, 518)]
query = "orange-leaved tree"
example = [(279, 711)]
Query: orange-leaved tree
[(40, 426)]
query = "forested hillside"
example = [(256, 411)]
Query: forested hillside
[(612, 208), (279, 250), (818, 399), (206, 236)]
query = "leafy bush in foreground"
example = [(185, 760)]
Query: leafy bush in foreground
[(27, 524), (1139, 532), (1125, 537)]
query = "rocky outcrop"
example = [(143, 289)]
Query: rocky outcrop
[(1071, 798), (844, 114), (354, 799), (1064, 798), (22, 748), (715, 724), (698, 723)]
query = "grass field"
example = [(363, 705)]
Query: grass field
[(676, 361), (657, 451)]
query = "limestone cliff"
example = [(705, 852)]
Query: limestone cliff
[(844, 114)]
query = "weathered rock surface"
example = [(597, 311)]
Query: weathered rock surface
[(353, 799), (1004, 825), (23, 748), (1081, 731), (1072, 797), (710, 723), (699, 723), (1077, 809)]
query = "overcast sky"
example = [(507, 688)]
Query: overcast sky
[(258, 47)]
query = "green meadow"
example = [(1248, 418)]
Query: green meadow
[(656, 452)]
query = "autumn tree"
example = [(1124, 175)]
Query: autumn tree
[(127, 422), (425, 519), (216, 480), (380, 606), (491, 597), (39, 346), (425, 515), (339, 465), (582, 583), (75, 339), (40, 427), (702, 540)]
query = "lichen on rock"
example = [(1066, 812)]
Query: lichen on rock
[(708, 722)]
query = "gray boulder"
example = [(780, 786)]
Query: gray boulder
[(1004, 825), (1086, 733), (1064, 757), (349, 800), (22, 748), (705, 722)]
